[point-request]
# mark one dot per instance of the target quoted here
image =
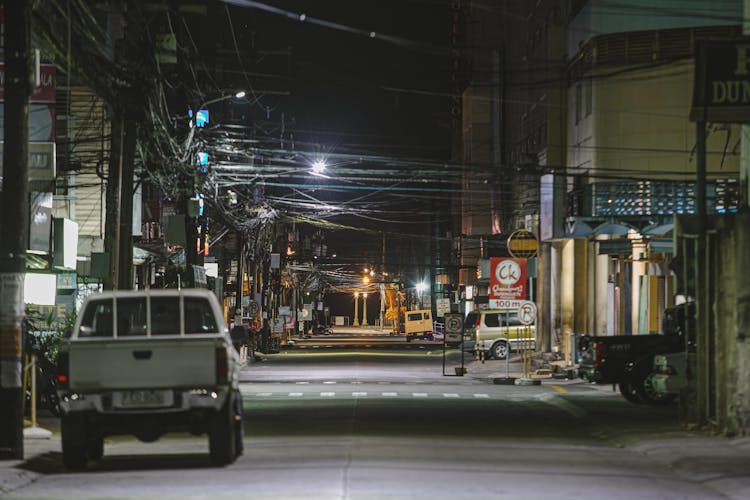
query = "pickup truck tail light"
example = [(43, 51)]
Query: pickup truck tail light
[(600, 351), (222, 366), (62, 372)]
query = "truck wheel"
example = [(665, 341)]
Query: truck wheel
[(630, 393), (73, 431), (95, 447), (221, 434), (239, 429), (499, 350)]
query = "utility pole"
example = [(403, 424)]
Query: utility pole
[(14, 225)]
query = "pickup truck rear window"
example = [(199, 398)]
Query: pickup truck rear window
[(97, 320), (165, 316), (132, 319), (199, 318)]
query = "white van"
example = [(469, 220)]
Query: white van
[(418, 324), (496, 332)]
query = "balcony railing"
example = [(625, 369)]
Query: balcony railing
[(651, 198)]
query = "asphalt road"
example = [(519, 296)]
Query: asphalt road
[(387, 424)]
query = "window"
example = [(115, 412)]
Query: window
[(165, 316), (98, 319), (471, 320), (511, 319), (198, 316), (131, 316), (491, 320), (414, 317)]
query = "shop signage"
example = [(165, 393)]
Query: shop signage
[(507, 278), (721, 90)]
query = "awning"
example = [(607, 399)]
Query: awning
[(658, 230)]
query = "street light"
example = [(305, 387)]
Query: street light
[(203, 113), (421, 286)]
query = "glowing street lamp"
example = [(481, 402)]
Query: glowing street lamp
[(421, 286), (202, 116)]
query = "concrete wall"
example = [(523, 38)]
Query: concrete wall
[(639, 123)]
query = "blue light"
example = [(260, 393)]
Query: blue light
[(202, 158), (201, 118)]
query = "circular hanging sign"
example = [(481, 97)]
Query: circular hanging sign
[(453, 323), (527, 312), (522, 244), (253, 308)]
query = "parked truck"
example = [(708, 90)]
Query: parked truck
[(627, 360), (145, 363)]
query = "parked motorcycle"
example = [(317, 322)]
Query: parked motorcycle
[(321, 330), (45, 377)]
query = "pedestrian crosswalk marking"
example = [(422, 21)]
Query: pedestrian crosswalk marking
[(360, 394), (302, 383)]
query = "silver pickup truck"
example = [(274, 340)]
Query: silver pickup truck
[(146, 363)]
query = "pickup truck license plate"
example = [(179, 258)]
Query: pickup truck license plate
[(143, 399)]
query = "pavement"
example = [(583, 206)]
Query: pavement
[(717, 462)]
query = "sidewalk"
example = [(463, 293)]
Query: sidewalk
[(13, 475)]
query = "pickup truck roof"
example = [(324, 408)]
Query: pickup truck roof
[(159, 312)]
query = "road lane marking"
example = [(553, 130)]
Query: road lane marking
[(389, 394), (419, 394), (295, 394), (327, 394), (563, 404), (450, 395), (302, 383), (359, 394), (263, 394), (481, 395), (329, 382), (558, 389)]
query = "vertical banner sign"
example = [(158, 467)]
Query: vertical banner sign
[(507, 278), (11, 316), (721, 89)]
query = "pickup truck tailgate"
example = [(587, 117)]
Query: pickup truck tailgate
[(143, 363)]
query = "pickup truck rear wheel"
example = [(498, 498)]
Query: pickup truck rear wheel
[(222, 444), (239, 429), (630, 393), (73, 434), (95, 447), (499, 350)]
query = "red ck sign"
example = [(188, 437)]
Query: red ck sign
[(507, 278)]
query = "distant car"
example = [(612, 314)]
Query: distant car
[(497, 332), (418, 324)]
